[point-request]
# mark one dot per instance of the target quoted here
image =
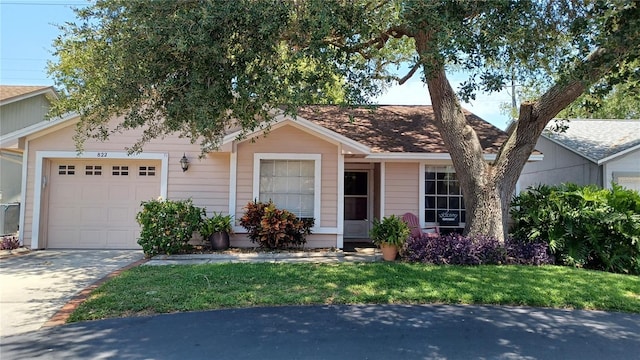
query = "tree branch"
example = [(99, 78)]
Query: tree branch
[(393, 32), (410, 74)]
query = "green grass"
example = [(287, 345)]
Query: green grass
[(162, 289)]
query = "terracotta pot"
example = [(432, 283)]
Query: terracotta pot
[(219, 240), (389, 252)]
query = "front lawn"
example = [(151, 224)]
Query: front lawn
[(162, 289)]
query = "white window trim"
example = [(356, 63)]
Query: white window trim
[(40, 182), (317, 183), (340, 212), (422, 189)]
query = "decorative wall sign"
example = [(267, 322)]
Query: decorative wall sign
[(447, 218)]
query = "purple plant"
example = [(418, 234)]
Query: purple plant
[(416, 249), (9, 242), (527, 253), (489, 250), (456, 249), (461, 250)]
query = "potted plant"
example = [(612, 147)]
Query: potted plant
[(217, 229), (390, 234)]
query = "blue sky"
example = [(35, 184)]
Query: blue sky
[(27, 29)]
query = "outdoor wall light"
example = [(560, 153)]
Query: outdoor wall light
[(184, 163)]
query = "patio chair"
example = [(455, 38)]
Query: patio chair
[(414, 224)]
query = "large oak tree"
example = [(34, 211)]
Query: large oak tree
[(199, 67)]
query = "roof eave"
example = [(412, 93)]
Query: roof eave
[(618, 154), (434, 156), (44, 91)]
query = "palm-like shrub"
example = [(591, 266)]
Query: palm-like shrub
[(585, 226), (391, 230)]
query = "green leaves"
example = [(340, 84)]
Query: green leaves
[(167, 225), (198, 68), (390, 230), (585, 226), (274, 228)]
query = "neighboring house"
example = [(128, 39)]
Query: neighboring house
[(21, 107), (342, 173), (588, 152)]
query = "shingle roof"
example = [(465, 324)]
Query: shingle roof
[(597, 139), (11, 91), (397, 128)]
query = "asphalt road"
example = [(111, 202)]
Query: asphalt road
[(342, 332)]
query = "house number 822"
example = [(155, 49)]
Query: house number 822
[(102, 154)]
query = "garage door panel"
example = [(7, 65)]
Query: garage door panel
[(120, 192), (118, 238), (96, 210), (91, 239), (66, 238), (119, 216), (145, 193), (93, 193), (61, 214), (629, 182), (63, 194), (92, 215)]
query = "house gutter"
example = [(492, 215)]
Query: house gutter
[(434, 156)]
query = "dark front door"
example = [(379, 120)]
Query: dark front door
[(357, 212)]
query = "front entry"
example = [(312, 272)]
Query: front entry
[(357, 200)]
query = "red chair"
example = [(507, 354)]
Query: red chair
[(414, 224)]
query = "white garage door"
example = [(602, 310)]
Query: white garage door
[(630, 182), (93, 203)]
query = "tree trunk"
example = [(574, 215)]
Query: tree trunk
[(483, 192), (488, 188)]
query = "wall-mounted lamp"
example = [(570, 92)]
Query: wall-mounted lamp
[(184, 163)]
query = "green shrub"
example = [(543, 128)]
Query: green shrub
[(274, 228), (391, 230), (167, 225), (216, 223), (585, 226)]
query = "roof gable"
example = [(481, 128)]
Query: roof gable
[(349, 146), (598, 140)]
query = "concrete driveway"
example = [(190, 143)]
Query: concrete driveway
[(34, 286)]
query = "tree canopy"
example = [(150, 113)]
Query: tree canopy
[(200, 67)]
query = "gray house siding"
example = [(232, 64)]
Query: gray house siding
[(16, 115), (559, 165), (624, 170), (20, 114), (10, 177)]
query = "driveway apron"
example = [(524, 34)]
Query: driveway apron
[(33, 287)]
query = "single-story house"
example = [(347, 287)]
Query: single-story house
[(596, 152), (22, 109), (343, 171)]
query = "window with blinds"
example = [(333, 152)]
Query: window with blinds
[(290, 184)]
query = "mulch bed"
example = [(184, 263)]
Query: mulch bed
[(204, 249)]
